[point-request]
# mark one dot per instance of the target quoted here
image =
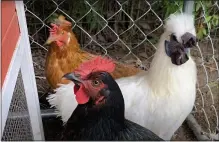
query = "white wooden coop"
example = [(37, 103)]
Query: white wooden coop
[(21, 119)]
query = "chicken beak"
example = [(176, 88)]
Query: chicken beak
[(189, 40), (49, 40), (73, 77)]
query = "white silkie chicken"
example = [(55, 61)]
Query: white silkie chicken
[(161, 98)]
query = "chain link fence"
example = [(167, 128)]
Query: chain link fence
[(128, 30), (207, 57)]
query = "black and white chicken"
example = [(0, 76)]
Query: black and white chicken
[(101, 109)]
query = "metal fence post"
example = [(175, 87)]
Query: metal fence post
[(188, 6)]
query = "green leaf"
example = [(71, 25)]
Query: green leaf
[(215, 16), (200, 34), (198, 6), (213, 22), (204, 31), (209, 26), (208, 18), (217, 22), (208, 4)]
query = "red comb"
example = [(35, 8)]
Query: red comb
[(54, 29), (97, 64)]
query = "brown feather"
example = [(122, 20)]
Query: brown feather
[(60, 61)]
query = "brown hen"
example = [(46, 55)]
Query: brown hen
[(65, 55)]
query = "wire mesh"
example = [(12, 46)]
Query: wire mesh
[(127, 31), (207, 101), (18, 128)]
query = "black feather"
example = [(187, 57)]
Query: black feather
[(105, 122)]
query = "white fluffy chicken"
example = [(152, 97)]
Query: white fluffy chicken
[(161, 98)]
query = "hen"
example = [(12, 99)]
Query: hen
[(64, 54), (161, 98), (100, 113)]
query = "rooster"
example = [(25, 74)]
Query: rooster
[(161, 98), (64, 54), (100, 113)]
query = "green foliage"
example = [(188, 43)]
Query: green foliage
[(204, 9), (93, 22), (82, 13), (209, 20), (171, 6)]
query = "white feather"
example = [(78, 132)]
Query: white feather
[(63, 100), (159, 99)]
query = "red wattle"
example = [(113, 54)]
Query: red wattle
[(81, 95)]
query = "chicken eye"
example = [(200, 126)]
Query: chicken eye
[(95, 82), (62, 32)]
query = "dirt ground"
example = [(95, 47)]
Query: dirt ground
[(184, 133)]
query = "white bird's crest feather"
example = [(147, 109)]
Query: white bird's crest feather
[(159, 99), (180, 24)]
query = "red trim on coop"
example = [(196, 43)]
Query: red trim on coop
[(10, 35)]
